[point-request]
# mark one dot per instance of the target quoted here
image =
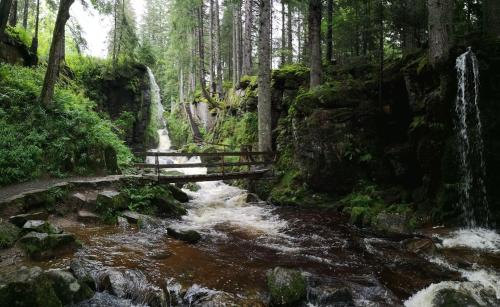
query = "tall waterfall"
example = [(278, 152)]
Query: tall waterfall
[(472, 191), (157, 110)]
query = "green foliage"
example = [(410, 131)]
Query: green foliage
[(141, 197), (8, 234), (179, 130), (69, 139), (20, 34)]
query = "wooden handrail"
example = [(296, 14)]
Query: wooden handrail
[(193, 165), (204, 154)]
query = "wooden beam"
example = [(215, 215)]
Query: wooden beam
[(203, 154), (193, 165), (210, 177)]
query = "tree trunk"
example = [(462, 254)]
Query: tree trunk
[(235, 46), (264, 81), (440, 29), (212, 47), (329, 32), (201, 50), (283, 34), (53, 65), (492, 17), (34, 41), (5, 6), (26, 13), (381, 52), (13, 14), (247, 39), (240, 43), (409, 34), (115, 32), (289, 34), (315, 42), (218, 58)]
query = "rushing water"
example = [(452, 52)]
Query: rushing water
[(473, 198)]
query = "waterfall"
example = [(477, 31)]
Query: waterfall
[(472, 190)]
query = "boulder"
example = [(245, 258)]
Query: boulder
[(178, 194), (41, 226), (396, 223), (113, 200), (21, 219), (142, 220), (168, 206), (9, 234), (425, 246), (190, 236), (132, 217), (197, 296), (83, 200), (452, 298), (331, 296), (122, 222), (67, 288), (192, 186), (252, 198), (42, 245), (88, 217), (287, 287)]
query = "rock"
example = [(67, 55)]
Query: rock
[(287, 287), (252, 198), (424, 246), (168, 206), (132, 217), (142, 220), (197, 296), (159, 255), (178, 194), (28, 287), (452, 298), (391, 223), (82, 200), (41, 226), (122, 222), (85, 271), (67, 288), (42, 245), (21, 219), (104, 299), (88, 217), (192, 186), (111, 200), (8, 234), (331, 296), (190, 236)]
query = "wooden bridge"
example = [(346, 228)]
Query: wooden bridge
[(257, 164)]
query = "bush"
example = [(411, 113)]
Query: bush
[(70, 138)]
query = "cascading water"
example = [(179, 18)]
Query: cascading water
[(472, 192)]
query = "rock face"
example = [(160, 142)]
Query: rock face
[(21, 219), (190, 236), (8, 234), (287, 287), (35, 288), (42, 245), (41, 226), (13, 51)]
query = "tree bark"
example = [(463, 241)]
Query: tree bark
[(218, 58), (289, 34), (13, 14), (212, 47), (247, 39), (53, 66), (440, 29), (381, 52), (409, 29), (329, 32), (5, 6), (264, 80), (26, 13), (201, 50), (492, 17), (240, 42), (235, 45), (283, 34), (315, 42), (34, 41), (115, 32)]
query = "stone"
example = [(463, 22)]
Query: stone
[(168, 206), (396, 223), (67, 288), (331, 296), (111, 200), (132, 217), (122, 222), (21, 219), (9, 234), (42, 245), (41, 226), (452, 298), (88, 217), (424, 246), (252, 198), (82, 200), (190, 236), (192, 186), (204, 297), (287, 287), (178, 194)]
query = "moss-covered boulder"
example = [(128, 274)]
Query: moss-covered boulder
[(42, 245), (21, 219), (167, 205), (111, 200), (9, 234), (287, 287), (41, 226), (452, 298), (178, 194), (190, 236), (67, 288), (391, 222)]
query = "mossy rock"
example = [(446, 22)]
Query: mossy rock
[(43, 246), (67, 288), (167, 205), (178, 194), (41, 226), (8, 234), (192, 186), (190, 236), (287, 287), (452, 298), (111, 200)]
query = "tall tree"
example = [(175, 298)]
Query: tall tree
[(201, 55), (247, 39), (492, 17), (34, 41), (55, 54), (218, 57), (315, 42), (264, 79), (289, 34), (329, 31), (440, 29), (26, 13), (283, 34), (13, 14), (5, 6)]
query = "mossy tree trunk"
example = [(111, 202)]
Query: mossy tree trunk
[(5, 6), (264, 86), (315, 7), (13, 14), (26, 13), (56, 53)]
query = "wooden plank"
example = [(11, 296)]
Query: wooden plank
[(203, 154), (211, 177), (193, 165)]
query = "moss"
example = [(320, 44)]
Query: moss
[(8, 234), (286, 287)]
